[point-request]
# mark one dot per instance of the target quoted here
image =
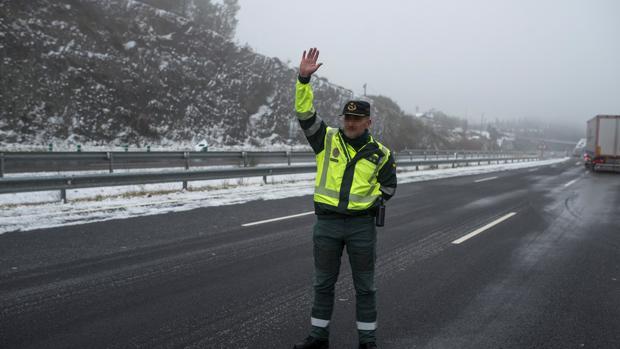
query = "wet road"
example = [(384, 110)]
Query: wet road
[(545, 275)]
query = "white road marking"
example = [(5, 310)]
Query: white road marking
[(578, 163), (277, 219), (533, 170), (481, 229), (485, 179), (571, 182)]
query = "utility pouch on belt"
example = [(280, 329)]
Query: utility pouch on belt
[(380, 219)]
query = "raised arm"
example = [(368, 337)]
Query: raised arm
[(314, 128)]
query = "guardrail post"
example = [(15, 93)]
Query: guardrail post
[(288, 157), (244, 155), (265, 176), (110, 157), (1, 165), (63, 195), (424, 155), (186, 156)]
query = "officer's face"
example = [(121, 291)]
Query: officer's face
[(354, 126)]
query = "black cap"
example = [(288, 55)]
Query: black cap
[(356, 108)]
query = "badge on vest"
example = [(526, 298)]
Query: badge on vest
[(335, 153)]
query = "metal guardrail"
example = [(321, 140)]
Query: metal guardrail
[(24, 162), (20, 162), (62, 183)]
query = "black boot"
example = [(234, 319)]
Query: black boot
[(370, 345), (312, 343)]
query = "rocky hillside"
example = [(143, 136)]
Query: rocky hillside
[(158, 72)]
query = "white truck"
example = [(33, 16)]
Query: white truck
[(602, 150)]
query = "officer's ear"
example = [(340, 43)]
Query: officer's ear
[(369, 122)]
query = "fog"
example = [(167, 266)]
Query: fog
[(553, 60)]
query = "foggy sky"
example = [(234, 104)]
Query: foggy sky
[(551, 59)]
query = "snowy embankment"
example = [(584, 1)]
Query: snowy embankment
[(28, 211)]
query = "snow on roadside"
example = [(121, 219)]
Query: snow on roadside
[(101, 204)]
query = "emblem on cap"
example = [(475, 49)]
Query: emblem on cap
[(335, 152), (356, 108)]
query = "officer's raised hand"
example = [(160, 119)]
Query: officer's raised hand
[(308, 63)]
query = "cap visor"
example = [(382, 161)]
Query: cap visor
[(354, 114)]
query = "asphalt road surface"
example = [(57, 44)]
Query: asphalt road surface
[(537, 266)]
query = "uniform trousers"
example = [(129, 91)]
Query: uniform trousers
[(331, 236)]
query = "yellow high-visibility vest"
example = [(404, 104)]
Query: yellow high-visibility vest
[(332, 163)]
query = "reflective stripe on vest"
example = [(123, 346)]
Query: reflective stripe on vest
[(329, 135)]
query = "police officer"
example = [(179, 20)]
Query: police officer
[(355, 173)]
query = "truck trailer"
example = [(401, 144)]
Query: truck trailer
[(602, 151)]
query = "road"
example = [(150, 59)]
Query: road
[(546, 275)]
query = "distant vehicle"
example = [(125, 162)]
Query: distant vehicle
[(579, 148), (202, 146), (602, 150)]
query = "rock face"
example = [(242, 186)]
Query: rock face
[(159, 72)]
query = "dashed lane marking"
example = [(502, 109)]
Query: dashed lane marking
[(485, 179), (277, 219), (569, 183), (482, 229)]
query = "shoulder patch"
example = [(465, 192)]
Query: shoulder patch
[(374, 158)]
